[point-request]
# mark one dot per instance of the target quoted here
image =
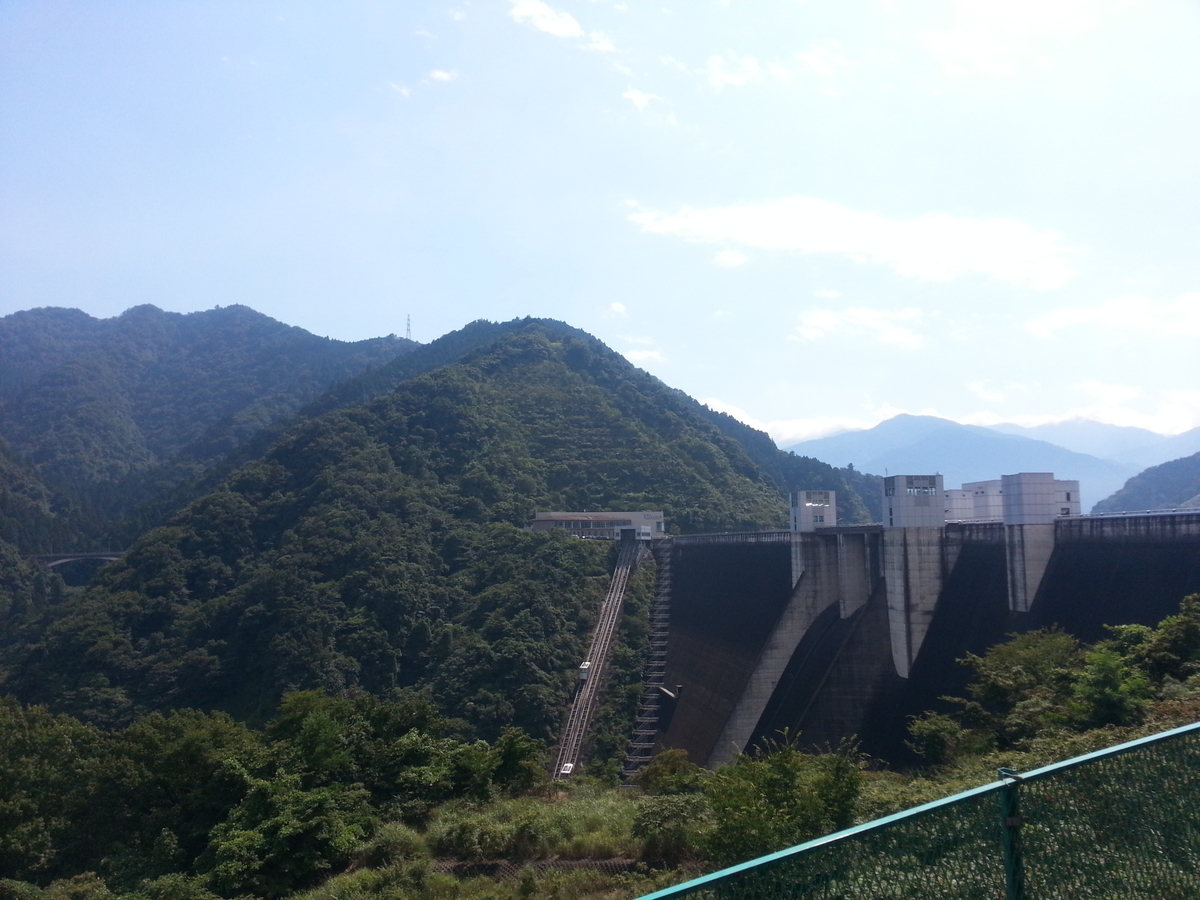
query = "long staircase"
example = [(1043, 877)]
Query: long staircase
[(645, 730), (587, 694)]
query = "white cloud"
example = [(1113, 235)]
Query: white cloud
[(400, 89), (1103, 392), (457, 15), (1001, 39), (735, 71), (645, 352), (981, 390), (442, 75), (639, 356), (730, 259), (1178, 318), (617, 309), (932, 247), (558, 23), (825, 59), (674, 63), (600, 42), (827, 293), (543, 18), (640, 99), (883, 323), (781, 72)]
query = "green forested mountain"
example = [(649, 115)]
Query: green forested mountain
[(381, 546), (787, 470), (110, 412), (1172, 484)]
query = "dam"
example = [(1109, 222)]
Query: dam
[(847, 631)]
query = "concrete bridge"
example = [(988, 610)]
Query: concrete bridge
[(848, 631), (57, 559)]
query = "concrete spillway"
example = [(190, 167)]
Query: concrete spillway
[(850, 631)]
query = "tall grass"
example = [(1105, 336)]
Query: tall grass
[(588, 823), (413, 881)]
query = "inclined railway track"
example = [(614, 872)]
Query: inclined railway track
[(587, 694)]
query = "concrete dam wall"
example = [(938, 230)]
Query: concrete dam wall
[(850, 631), (726, 598)]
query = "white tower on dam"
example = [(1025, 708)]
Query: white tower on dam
[(913, 501), (814, 509)]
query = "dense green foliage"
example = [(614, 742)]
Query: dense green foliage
[(26, 588), (760, 803), (32, 517), (1167, 486), (111, 412), (1045, 681), (198, 801), (198, 794)]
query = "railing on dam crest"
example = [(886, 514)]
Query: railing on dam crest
[(1122, 822), (733, 537)]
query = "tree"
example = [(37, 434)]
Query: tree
[(777, 799), (1021, 685), (1108, 691), (52, 772), (282, 837)]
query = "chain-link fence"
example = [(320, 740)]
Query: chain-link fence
[(1119, 823)]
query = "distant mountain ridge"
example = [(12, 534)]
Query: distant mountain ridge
[(1137, 447), (908, 444)]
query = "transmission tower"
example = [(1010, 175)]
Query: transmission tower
[(408, 329)]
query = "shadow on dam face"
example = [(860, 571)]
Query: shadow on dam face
[(972, 616), (725, 599), (842, 682), (840, 671), (841, 679), (1090, 584)]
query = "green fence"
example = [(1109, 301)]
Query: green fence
[(1120, 823)]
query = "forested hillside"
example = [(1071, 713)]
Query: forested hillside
[(111, 412), (381, 546), (1170, 485), (858, 500)]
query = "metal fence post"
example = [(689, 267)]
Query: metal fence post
[(1010, 834)]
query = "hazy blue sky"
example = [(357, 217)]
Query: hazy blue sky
[(812, 214)]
